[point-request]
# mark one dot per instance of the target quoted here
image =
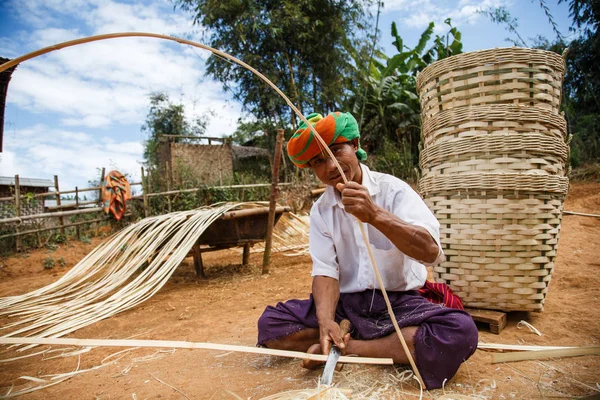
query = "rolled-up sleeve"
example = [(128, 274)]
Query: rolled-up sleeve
[(410, 208), (322, 248)]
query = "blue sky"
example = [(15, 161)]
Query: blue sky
[(75, 110)]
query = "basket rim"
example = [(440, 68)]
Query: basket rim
[(492, 56)]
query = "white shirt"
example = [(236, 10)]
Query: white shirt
[(338, 249)]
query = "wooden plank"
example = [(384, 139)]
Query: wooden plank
[(253, 211), (542, 354), (56, 227), (168, 344), (52, 215), (495, 319)]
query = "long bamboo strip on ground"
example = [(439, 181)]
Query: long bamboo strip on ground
[(542, 354), (171, 344), (518, 347)]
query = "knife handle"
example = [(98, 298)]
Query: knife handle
[(345, 326)]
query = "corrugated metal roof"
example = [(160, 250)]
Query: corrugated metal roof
[(32, 182)]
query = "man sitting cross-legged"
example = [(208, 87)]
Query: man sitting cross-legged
[(403, 234)]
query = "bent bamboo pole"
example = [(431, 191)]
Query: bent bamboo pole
[(188, 345), (289, 103)]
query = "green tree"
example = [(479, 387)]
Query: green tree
[(390, 110), (167, 118), (303, 46)]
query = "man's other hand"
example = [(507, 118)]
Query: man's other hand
[(357, 201)]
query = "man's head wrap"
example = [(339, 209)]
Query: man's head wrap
[(337, 127)]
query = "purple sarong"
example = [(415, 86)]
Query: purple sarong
[(445, 338)]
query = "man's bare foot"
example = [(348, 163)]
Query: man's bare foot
[(311, 364)]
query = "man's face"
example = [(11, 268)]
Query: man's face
[(345, 154)]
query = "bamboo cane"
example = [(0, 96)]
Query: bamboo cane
[(189, 345)]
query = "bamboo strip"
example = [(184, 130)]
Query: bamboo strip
[(189, 345), (542, 354), (518, 347), (581, 214)]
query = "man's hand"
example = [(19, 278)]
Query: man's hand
[(357, 201), (330, 334)]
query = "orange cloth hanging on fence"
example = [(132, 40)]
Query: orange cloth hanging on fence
[(115, 193)]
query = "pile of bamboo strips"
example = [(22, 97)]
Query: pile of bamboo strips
[(119, 274)]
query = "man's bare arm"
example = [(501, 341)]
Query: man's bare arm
[(414, 241)]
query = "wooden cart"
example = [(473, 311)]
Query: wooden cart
[(234, 229)]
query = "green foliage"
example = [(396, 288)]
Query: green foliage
[(51, 246), (86, 239), (390, 110), (62, 262), (581, 102), (395, 159), (48, 263)]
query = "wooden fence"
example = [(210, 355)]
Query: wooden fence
[(61, 211)]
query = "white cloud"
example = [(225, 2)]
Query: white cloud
[(41, 152), (418, 14)]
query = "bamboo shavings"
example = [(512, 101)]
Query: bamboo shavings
[(529, 326), (320, 393), (290, 233), (171, 386), (54, 379)]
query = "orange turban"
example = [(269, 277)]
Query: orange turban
[(337, 127)]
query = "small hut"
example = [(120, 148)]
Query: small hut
[(29, 186)]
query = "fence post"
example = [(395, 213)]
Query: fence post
[(272, 202), (18, 210), (61, 220), (145, 194), (76, 216), (168, 186)]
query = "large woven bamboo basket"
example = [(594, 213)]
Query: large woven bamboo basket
[(514, 75), (495, 176)]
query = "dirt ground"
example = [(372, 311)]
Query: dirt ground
[(224, 308)]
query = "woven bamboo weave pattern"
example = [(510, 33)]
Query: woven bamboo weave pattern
[(432, 184), (532, 152), (500, 249), (474, 120), (498, 76), (494, 172)]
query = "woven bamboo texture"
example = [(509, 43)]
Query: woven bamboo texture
[(495, 175), (493, 140), (515, 75)]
